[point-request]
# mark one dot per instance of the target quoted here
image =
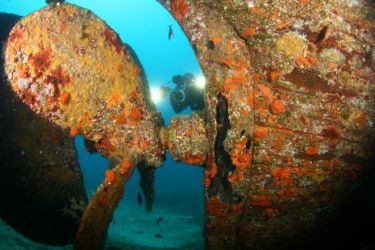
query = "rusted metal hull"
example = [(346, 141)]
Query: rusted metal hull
[(289, 115), (289, 109), (40, 182)]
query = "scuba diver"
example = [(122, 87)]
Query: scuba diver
[(54, 1), (186, 94)]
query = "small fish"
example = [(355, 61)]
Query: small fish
[(159, 220), (158, 236), (139, 198), (170, 33)]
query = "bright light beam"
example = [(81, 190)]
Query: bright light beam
[(156, 95), (200, 82)]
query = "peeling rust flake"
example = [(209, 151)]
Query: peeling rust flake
[(310, 80), (316, 157), (113, 39), (42, 60)]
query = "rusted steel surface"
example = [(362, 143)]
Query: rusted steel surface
[(289, 108), (290, 112), (70, 67), (40, 175), (186, 139), (88, 84), (95, 221), (40, 182)]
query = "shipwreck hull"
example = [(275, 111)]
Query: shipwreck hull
[(41, 184), (289, 117), (288, 126)]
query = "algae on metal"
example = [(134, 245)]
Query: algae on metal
[(294, 80), (289, 109), (88, 84), (91, 84), (40, 175)]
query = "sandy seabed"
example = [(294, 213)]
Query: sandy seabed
[(133, 228)]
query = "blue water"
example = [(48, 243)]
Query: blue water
[(144, 25)]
